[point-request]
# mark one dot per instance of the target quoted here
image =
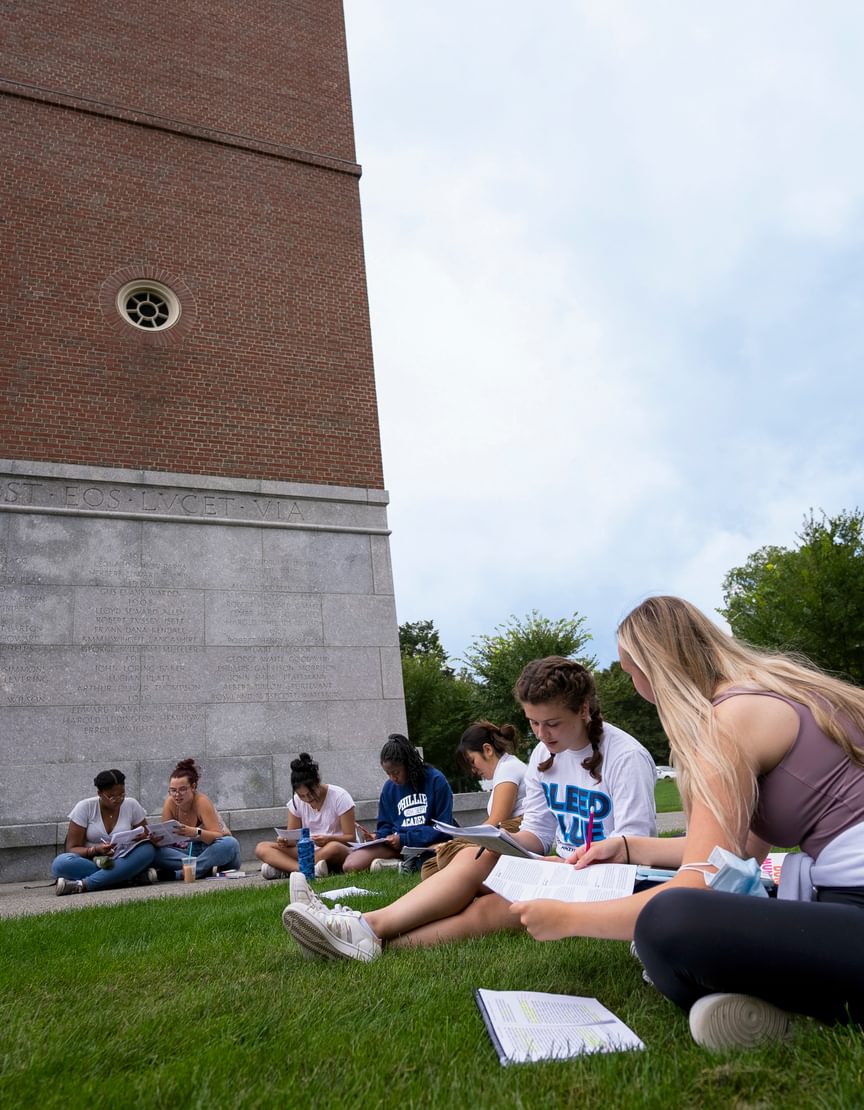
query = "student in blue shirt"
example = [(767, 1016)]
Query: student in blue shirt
[(415, 795)]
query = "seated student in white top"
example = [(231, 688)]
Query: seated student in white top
[(326, 810), (486, 751), (92, 823)]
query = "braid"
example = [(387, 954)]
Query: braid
[(564, 680), (399, 749), (594, 763)]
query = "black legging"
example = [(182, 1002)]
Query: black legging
[(805, 957)]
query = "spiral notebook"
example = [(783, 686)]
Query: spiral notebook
[(526, 1026)]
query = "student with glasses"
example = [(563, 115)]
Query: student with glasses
[(89, 861), (201, 827)]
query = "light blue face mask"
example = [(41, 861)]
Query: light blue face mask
[(733, 875)]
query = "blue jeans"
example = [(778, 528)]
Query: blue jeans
[(223, 854), (69, 866)]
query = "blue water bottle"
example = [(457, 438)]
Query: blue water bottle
[(306, 855)]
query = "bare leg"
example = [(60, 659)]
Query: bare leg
[(282, 858), (333, 854), (441, 896), (489, 913)]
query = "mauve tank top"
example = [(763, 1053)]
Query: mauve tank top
[(814, 793)]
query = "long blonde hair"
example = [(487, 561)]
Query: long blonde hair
[(685, 658)]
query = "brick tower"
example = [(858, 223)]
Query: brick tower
[(193, 540)]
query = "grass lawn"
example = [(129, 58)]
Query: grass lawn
[(667, 797), (206, 1002)]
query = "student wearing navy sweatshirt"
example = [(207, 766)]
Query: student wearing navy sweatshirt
[(415, 795)]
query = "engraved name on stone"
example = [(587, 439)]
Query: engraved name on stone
[(128, 616), (156, 721), (61, 675), (299, 675), (267, 618), (20, 615)]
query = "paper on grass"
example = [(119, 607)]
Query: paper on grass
[(523, 880), (345, 892), (526, 1026)]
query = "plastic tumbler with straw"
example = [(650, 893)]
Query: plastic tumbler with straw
[(189, 866)]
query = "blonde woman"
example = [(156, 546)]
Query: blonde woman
[(769, 750)]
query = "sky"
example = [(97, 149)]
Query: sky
[(615, 255)]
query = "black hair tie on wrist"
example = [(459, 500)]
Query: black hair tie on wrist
[(626, 847)]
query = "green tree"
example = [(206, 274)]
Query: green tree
[(808, 599), (622, 706), (438, 702), (421, 640), (497, 660)]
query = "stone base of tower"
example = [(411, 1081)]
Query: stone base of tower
[(147, 617)]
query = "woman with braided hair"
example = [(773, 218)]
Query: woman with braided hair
[(580, 767), (415, 795)]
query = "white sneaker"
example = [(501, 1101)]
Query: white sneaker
[(720, 1021), (268, 871), (336, 934), (301, 894), (69, 886), (384, 864), (321, 869)]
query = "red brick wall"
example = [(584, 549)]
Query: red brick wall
[(272, 69), (269, 373)]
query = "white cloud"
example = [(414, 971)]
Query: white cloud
[(614, 266)]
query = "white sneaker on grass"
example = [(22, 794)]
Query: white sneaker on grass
[(384, 864), (268, 871), (301, 894), (721, 1021), (337, 934), (321, 869)]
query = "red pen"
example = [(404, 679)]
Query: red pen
[(589, 830)]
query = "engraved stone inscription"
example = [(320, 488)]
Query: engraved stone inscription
[(299, 675), (68, 676), (32, 615), (119, 730), (148, 500), (263, 618), (129, 616), (139, 500)]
